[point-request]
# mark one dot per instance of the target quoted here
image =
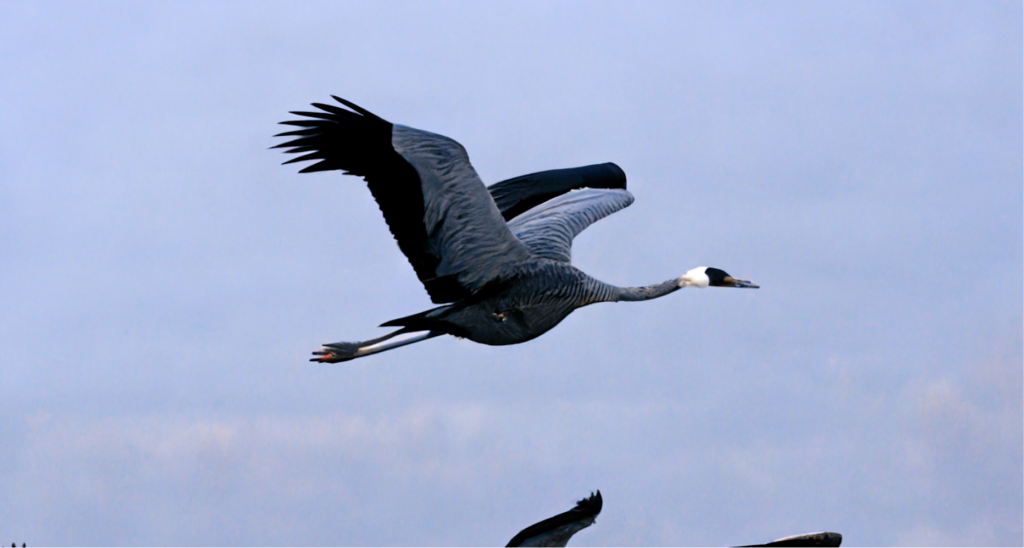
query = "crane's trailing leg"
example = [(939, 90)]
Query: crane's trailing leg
[(345, 351)]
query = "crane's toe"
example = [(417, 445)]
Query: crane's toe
[(336, 352), (323, 356)]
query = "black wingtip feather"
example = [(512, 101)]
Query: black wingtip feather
[(335, 136), (319, 166), (321, 115), (303, 133), (593, 503), (334, 110), (302, 148), (356, 108), (292, 143), (318, 155)]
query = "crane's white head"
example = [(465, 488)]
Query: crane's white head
[(704, 276)]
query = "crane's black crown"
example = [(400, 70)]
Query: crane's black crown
[(717, 277)]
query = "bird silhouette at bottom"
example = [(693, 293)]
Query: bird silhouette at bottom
[(555, 532), (806, 539), (497, 259)]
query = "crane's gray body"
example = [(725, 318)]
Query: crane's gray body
[(539, 295)]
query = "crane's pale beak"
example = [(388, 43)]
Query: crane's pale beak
[(729, 281)]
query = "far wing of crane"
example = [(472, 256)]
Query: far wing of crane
[(519, 194), (548, 229)]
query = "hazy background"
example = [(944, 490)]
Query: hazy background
[(163, 279)]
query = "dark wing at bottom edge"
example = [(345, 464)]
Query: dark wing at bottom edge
[(809, 539), (583, 515)]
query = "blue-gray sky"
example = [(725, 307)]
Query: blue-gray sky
[(164, 278)]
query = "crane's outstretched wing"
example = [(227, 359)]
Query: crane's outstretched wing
[(557, 530), (808, 539), (548, 229), (435, 204), (519, 194)]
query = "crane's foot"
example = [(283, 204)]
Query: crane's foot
[(336, 352), (345, 351)]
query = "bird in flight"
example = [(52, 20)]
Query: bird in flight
[(555, 532), (496, 259)]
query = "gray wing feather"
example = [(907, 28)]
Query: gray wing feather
[(548, 229), (463, 224)]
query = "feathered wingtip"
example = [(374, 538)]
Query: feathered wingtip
[(354, 107), (593, 503), (332, 135)]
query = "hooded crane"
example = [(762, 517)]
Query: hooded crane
[(497, 260), (555, 532)]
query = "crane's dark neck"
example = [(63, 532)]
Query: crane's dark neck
[(645, 292)]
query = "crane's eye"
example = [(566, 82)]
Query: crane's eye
[(499, 316)]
